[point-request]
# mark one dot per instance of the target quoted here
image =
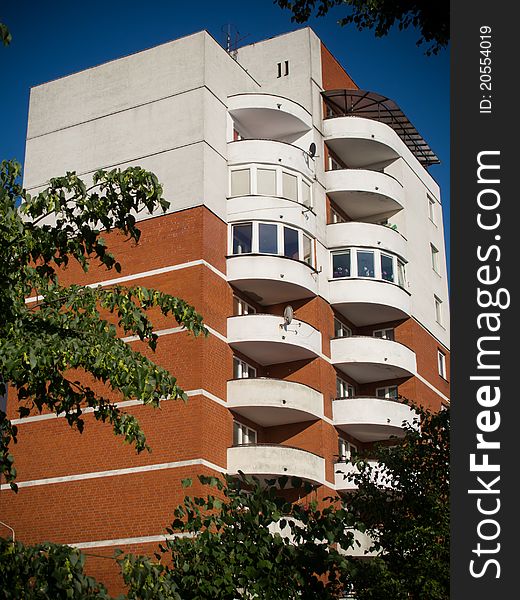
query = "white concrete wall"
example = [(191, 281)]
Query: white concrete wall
[(150, 109)]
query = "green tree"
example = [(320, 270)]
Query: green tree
[(247, 541), (44, 344), (432, 19), (45, 572), (405, 507)]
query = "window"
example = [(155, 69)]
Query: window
[(387, 267), (334, 163), (241, 307), (385, 334), (242, 370), (431, 209), (306, 194), (341, 264), (335, 216), (290, 186), (272, 238), (242, 238), (344, 389), (438, 309), (341, 330), (435, 258), (365, 264), (242, 434), (307, 249), (390, 392), (268, 238), (266, 182), (401, 273), (290, 243), (441, 361), (283, 69), (345, 450), (240, 182)]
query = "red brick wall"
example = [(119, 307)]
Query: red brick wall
[(334, 76)]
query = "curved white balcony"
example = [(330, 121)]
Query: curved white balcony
[(371, 419), (271, 402), (364, 194), (369, 359), (269, 116), (272, 208), (340, 235), (344, 469), (272, 460), (267, 340), (362, 544), (366, 301), (271, 279), (361, 142), (270, 152)]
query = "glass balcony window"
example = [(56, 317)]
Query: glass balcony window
[(272, 238), (374, 264)]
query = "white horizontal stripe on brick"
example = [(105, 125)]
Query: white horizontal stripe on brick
[(117, 473), (143, 274), (123, 404), (145, 539)]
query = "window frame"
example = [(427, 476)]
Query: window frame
[(243, 428), (435, 258), (349, 448), (241, 364), (438, 310), (255, 241), (342, 327), (279, 171), (387, 392), (398, 265), (441, 364), (383, 331), (243, 304), (432, 212), (348, 387)]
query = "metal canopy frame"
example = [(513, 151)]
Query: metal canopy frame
[(370, 105)]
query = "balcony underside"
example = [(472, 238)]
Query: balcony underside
[(365, 204), (272, 352), (368, 313), (365, 372)]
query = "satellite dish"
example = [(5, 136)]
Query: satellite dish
[(288, 314), (312, 150)]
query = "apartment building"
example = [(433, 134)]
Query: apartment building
[(306, 229)]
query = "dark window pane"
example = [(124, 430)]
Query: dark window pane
[(365, 262), (341, 264), (387, 267), (268, 238), (242, 236), (290, 243)]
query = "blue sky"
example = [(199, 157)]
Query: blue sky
[(52, 39)]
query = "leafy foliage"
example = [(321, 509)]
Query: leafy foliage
[(404, 505), (5, 36), (47, 342), (247, 541), (45, 572), (431, 18)]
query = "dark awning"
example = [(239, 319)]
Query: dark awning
[(369, 105)]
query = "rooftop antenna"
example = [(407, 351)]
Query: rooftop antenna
[(233, 39)]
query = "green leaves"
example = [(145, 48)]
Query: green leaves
[(246, 541), (431, 19), (77, 329), (45, 572)]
